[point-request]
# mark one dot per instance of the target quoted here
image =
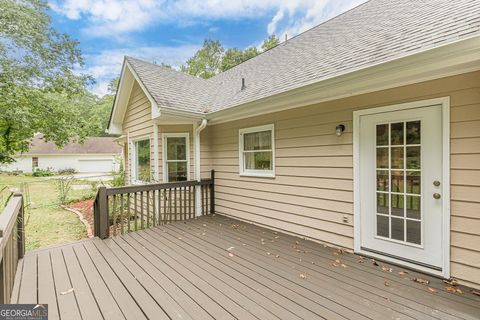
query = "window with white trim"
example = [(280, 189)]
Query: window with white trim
[(142, 160), (176, 157), (257, 151)]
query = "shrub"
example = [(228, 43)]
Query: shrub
[(67, 171), (43, 172), (63, 186)]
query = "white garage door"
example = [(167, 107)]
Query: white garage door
[(95, 165)]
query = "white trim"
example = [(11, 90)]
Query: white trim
[(156, 171), (185, 135), (256, 173), (445, 103), (133, 158)]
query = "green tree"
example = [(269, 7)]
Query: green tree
[(231, 58), (270, 42), (206, 61), (38, 88)]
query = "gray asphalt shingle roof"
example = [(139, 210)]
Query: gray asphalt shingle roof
[(92, 145), (373, 33)]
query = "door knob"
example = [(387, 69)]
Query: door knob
[(437, 196)]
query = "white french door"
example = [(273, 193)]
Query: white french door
[(400, 185)]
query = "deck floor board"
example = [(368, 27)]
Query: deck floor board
[(216, 267)]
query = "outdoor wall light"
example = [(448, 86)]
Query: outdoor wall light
[(339, 129)]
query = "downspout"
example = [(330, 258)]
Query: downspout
[(198, 200)]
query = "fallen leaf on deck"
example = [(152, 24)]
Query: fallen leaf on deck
[(343, 265), (335, 264), (451, 281), (268, 253), (387, 269), (230, 254), (386, 283), (203, 234), (402, 273), (375, 263), (230, 249), (420, 280), (277, 237), (475, 292), (432, 290), (204, 225), (303, 276), (451, 289), (66, 292), (179, 238), (277, 256)]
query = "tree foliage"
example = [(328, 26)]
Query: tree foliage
[(38, 88), (212, 58)]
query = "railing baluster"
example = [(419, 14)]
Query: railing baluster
[(170, 205), (142, 218), (114, 215), (153, 208), (129, 195), (164, 205), (135, 212), (180, 207), (121, 214), (148, 209)]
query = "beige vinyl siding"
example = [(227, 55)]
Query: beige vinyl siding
[(138, 124), (312, 192)]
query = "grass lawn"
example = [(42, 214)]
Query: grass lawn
[(46, 223)]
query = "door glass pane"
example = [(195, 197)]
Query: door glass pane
[(413, 157), (413, 132), (396, 133), (397, 158), (382, 180), (397, 204), (397, 228), (382, 157), (413, 182), (414, 232), (382, 203), (413, 207), (397, 181), (382, 226), (382, 135)]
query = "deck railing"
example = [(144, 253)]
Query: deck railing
[(12, 244), (124, 209)]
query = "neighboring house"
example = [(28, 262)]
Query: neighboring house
[(95, 155), (363, 133)]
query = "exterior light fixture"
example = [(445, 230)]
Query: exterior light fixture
[(339, 129)]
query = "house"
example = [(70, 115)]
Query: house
[(361, 133), (95, 155)]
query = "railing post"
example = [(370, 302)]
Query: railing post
[(212, 192), (20, 228), (101, 213)]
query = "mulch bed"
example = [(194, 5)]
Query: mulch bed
[(85, 207)]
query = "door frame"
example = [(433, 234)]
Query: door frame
[(445, 104)]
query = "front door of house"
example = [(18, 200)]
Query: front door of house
[(401, 184)]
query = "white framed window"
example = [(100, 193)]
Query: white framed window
[(257, 151), (141, 166), (176, 157)]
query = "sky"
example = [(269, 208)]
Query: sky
[(172, 31)]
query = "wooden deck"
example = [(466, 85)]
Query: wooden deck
[(219, 268)]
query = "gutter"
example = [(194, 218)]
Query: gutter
[(198, 199)]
